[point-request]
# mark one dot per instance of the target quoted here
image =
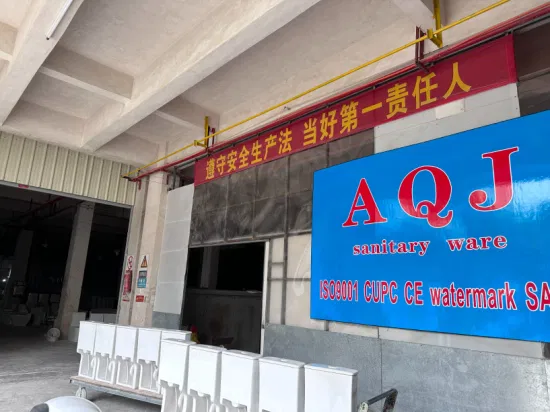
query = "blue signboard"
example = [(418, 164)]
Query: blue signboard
[(446, 236)]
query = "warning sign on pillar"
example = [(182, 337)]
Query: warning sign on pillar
[(140, 298), (143, 272)]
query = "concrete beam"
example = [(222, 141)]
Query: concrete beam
[(8, 35), (77, 70), (188, 115), (232, 28), (31, 48), (130, 149), (419, 11), (43, 124)]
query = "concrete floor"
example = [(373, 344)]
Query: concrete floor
[(33, 370)]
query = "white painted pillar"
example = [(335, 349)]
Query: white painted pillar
[(20, 263), (74, 268), (151, 243), (209, 271), (171, 280)]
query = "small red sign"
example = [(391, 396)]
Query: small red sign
[(483, 68), (140, 298), (130, 262)]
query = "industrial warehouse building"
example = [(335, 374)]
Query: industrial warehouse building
[(295, 233)]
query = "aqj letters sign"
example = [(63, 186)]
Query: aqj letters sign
[(446, 236)]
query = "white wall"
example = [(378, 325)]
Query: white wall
[(472, 112), (173, 255)]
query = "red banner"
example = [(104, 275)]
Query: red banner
[(480, 69)]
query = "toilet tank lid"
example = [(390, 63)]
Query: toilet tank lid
[(209, 348), (183, 332), (242, 354), (282, 362), (331, 369), (127, 327), (179, 341), (106, 325)]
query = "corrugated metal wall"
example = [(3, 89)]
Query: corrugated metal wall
[(46, 166)]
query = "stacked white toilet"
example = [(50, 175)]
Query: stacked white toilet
[(330, 388), (281, 385), (173, 375), (85, 347), (148, 354), (202, 378), (104, 350), (240, 381), (126, 338)]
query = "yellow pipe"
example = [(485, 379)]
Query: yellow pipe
[(437, 38), (308, 91)]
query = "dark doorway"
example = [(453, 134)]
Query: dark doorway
[(35, 237), (223, 298)]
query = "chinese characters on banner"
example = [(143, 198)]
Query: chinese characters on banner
[(480, 69)]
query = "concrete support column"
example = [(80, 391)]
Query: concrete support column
[(151, 242), (209, 271), (74, 269), (20, 263), (132, 249)]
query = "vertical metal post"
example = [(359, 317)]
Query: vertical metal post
[(266, 299), (437, 18), (285, 244), (206, 130), (419, 51), (437, 39)]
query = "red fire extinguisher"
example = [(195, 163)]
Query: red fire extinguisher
[(127, 286)]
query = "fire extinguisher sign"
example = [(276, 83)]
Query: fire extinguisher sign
[(127, 285)]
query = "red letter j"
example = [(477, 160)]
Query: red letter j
[(502, 181)]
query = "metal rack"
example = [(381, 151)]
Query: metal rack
[(85, 384), (390, 397)]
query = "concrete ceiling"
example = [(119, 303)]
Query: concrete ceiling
[(130, 35), (63, 97), (13, 12), (132, 79)]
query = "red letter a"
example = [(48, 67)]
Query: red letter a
[(364, 193)]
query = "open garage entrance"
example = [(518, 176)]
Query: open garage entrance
[(46, 237)]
